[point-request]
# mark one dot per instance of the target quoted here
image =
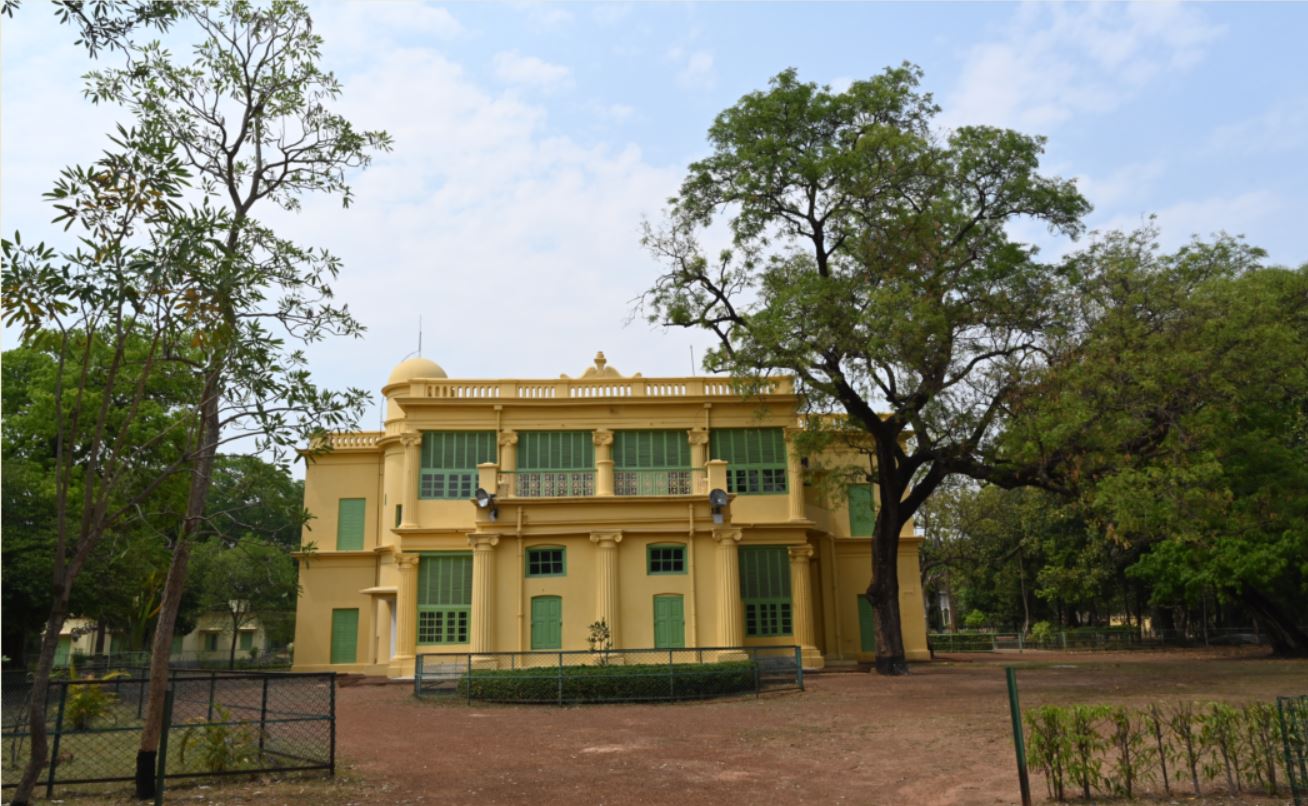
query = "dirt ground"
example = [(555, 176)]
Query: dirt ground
[(938, 736)]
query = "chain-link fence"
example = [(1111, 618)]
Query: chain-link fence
[(1090, 640), (617, 675), (220, 723)]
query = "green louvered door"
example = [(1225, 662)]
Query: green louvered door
[(756, 459), (651, 463), (345, 635), (546, 622), (62, 650), (555, 463), (860, 510), (349, 524), (867, 631), (669, 622)]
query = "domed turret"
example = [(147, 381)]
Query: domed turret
[(412, 368)]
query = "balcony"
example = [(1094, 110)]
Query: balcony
[(549, 483), (656, 481)]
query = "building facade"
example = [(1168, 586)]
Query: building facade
[(596, 506)]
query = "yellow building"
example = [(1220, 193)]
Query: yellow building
[(599, 508)]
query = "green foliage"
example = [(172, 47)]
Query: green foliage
[(221, 744), (610, 683), (1121, 750), (600, 639), (1042, 632), (975, 620), (89, 701), (242, 581)]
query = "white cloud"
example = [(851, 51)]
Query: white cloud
[(1125, 184), (695, 67), (1280, 128), (1058, 61), (515, 68), (1246, 213)]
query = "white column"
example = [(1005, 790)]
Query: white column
[(801, 605)]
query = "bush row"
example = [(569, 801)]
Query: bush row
[(610, 683), (1100, 750)]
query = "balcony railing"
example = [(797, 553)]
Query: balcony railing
[(586, 388), (655, 481), (551, 483)]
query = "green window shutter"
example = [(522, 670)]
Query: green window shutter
[(765, 589), (345, 635), (664, 450), (211, 641), (546, 622), (669, 622), (444, 598), (556, 450), (349, 524), (867, 632), (62, 650), (756, 459), (449, 462), (177, 644), (247, 641), (861, 517)]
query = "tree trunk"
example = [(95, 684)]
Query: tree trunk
[(37, 701), (883, 593), (1289, 639), (161, 646)]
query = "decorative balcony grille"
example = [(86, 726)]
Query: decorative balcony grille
[(553, 483), (654, 481)]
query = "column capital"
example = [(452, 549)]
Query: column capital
[(602, 437), (410, 438), (407, 561), (727, 537), (800, 554), (483, 542), (606, 540), (697, 436), (508, 437)]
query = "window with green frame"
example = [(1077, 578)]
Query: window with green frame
[(666, 559), (861, 514), (211, 642), (651, 463), (449, 462), (350, 521), (555, 463), (247, 640), (765, 589), (547, 561), (756, 459), (444, 598)]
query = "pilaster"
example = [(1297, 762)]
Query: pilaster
[(698, 439), (412, 441), (606, 588), (603, 461), (794, 475), (483, 592), (731, 613), (801, 605), (509, 459), (406, 601)]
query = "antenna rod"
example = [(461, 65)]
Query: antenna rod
[(419, 334), (692, 360)]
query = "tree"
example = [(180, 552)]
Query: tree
[(252, 496), (244, 581), (1182, 399), (870, 259), (251, 116)]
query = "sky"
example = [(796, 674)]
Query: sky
[(531, 141)]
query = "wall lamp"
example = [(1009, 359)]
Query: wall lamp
[(486, 501), (717, 500)]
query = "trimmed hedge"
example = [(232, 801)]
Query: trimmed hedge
[(612, 683)]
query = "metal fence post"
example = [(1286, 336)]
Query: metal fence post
[(758, 684), (560, 678), (161, 776), (331, 761), (213, 681), (672, 678), (58, 734), (1019, 743), (417, 676), (263, 715), (799, 667)]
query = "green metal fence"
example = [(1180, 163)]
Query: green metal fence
[(221, 723), (1089, 640), (619, 675)]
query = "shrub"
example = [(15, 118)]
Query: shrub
[(89, 700), (1042, 632), (609, 683), (975, 620), (222, 746)]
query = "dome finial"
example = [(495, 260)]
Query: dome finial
[(600, 360)]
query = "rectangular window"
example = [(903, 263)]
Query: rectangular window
[(546, 562), (867, 631), (211, 642), (349, 524), (177, 644), (247, 641), (756, 459), (555, 463), (444, 598), (861, 515), (345, 635), (449, 462), (651, 463), (667, 559), (765, 589)]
